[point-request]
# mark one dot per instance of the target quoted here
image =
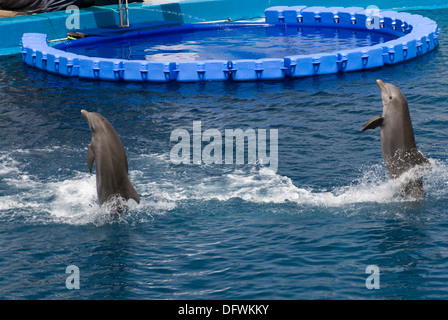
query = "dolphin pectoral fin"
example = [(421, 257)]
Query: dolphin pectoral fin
[(90, 158), (134, 195), (373, 123), (131, 193), (421, 160)]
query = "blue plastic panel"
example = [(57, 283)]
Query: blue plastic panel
[(275, 14), (262, 69), (305, 65), (417, 35), (89, 68), (313, 15), (331, 15), (367, 58), (213, 70), (69, 65), (110, 69), (292, 14), (53, 62), (161, 71), (347, 16), (135, 70)]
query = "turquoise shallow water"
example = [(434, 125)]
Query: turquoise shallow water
[(210, 231)]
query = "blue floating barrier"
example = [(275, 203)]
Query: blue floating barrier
[(293, 14), (350, 60), (393, 52), (353, 60), (263, 69), (69, 65), (41, 60), (347, 16), (162, 71), (89, 68), (110, 69), (275, 14), (409, 47), (29, 56), (422, 43), (243, 70), (331, 15), (214, 70), (313, 15), (304, 65), (135, 70), (361, 18), (270, 69), (372, 57), (416, 34), (190, 71), (325, 63), (53, 62)]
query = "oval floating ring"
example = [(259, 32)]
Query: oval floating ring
[(416, 35)]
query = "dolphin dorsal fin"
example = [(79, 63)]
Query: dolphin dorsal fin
[(373, 123)]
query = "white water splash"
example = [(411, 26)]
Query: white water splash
[(265, 186), (73, 200)]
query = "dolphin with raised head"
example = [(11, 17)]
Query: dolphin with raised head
[(107, 151), (398, 146)]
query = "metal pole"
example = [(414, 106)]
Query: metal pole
[(127, 14), (121, 13), (120, 6)]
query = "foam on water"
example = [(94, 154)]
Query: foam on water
[(265, 186), (72, 200)]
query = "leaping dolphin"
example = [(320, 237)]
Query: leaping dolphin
[(111, 162), (398, 146)]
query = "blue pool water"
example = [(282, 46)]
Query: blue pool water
[(223, 231), (233, 43)]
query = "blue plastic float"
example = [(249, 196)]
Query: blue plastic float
[(416, 35)]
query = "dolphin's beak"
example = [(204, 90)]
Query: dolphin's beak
[(85, 114), (385, 90), (381, 84)]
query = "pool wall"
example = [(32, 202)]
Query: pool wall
[(418, 35), (182, 11)]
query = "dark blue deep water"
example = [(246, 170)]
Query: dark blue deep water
[(223, 231)]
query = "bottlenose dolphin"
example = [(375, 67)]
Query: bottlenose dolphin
[(111, 163), (398, 146)]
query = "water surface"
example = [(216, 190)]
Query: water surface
[(233, 43), (306, 231)]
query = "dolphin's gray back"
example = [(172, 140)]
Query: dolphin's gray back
[(398, 145), (111, 164), (400, 151)]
